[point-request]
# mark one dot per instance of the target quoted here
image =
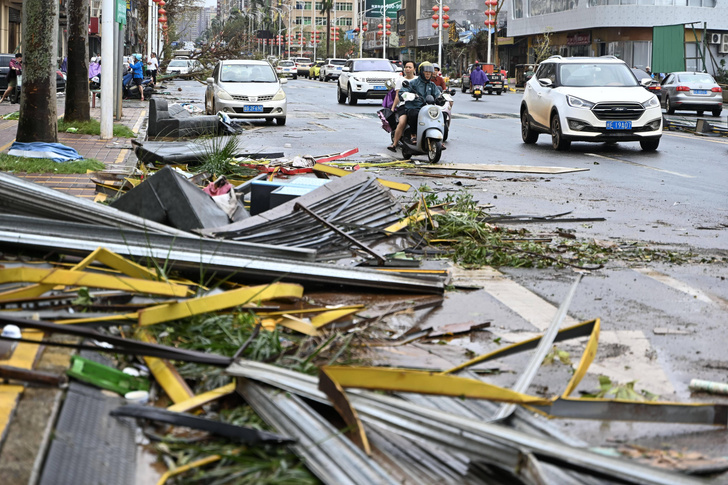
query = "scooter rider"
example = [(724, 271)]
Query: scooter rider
[(478, 77), (422, 86)]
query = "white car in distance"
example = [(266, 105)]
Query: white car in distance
[(364, 79)]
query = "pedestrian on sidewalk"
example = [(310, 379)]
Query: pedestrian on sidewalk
[(152, 66), (138, 73), (16, 68)]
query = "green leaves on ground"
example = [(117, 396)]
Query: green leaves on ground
[(11, 164), (626, 392), (219, 158), (561, 355), (93, 127)]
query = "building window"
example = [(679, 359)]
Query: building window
[(306, 20), (344, 7), (320, 20), (343, 21), (542, 7), (517, 9)]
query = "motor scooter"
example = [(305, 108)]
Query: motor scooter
[(430, 127), (130, 91), (447, 111), (477, 92)]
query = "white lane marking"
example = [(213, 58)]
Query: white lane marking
[(637, 362), (628, 162), (681, 286), (692, 137)]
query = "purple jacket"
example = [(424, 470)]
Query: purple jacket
[(478, 77)]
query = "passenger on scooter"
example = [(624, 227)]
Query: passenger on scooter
[(421, 86), (399, 110), (478, 77), (438, 79)]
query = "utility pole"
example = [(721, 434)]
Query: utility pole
[(107, 81)]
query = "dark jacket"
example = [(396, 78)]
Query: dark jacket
[(421, 87)]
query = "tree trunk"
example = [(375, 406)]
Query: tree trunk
[(328, 33), (38, 120), (77, 90)]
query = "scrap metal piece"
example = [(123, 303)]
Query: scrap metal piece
[(331, 456), (341, 233), (342, 405), (241, 434), (494, 444), (166, 374), (21, 197), (189, 466), (204, 398), (544, 346), (34, 376)]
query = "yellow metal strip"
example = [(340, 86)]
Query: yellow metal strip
[(406, 380), (398, 226), (228, 299), (54, 277), (203, 398), (331, 316), (307, 310), (341, 403), (526, 344), (132, 317), (586, 359), (9, 396), (195, 464), (166, 374), (301, 326), (340, 172)]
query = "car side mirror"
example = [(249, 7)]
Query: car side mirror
[(546, 82), (284, 80), (452, 92), (210, 80), (405, 84), (645, 81), (345, 69)]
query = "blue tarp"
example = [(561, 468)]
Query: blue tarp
[(55, 151)]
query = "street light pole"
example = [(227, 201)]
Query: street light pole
[(439, 36), (384, 31)]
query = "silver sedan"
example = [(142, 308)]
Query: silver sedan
[(694, 91)]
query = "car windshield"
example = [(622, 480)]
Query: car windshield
[(285, 64), (337, 62), (247, 73), (696, 77), (373, 65), (640, 74), (178, 63), (303, 60), (596, 75)]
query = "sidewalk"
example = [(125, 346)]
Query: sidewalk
[(115, 153)]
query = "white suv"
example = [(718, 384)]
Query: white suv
[(364, 79), (595, 99), (331, 69)]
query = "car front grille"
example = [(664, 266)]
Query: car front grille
[(258, 98), (377, 80), (265, 110), (618, 111)]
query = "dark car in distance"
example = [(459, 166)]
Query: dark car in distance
[(654, 85)]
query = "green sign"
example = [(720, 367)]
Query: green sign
[(375, 8), (121, 11)]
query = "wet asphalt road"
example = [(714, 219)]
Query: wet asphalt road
[(662, 324)]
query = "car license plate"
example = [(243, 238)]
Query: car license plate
[(253, 108), (619, 125), (700, 91), (380, 88), (477, 91), (338, 69)]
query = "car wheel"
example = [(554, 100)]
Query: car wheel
[(557, 137), (295, 76), (268, 121), (351, 97), (716, 111), (529, 135), (490, 92), (500, 91), (463, 89), (668, 106), (650, 144), (340, 95), (281, 121)]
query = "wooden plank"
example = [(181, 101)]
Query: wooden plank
[(503, 168)]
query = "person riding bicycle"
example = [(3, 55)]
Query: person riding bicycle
[(478, 77), (421, 86)]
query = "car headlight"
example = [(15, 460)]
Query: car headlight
[(280, 95), (433, 112), (222, 94), (575, 102), (356, 79), (651, 103)]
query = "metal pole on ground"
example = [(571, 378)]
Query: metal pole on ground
[(107, 82)]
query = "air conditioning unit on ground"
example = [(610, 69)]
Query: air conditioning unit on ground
[(714, 38), (723, 47)]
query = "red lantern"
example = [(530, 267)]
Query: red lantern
[(435, 8), (364, 29), (445, 25), (389, 32), (356, 30), (445, 8), (162, 3), (162, 11), (162, 20), (379, 33), (380, 26), (435, 17), (365, 23), (435, 25), (446, 17)]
